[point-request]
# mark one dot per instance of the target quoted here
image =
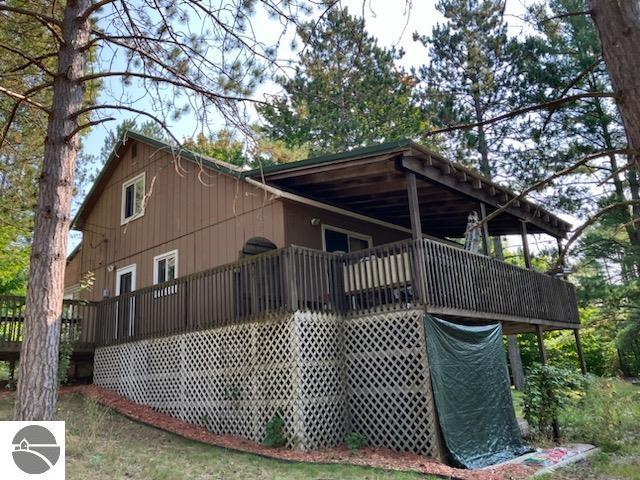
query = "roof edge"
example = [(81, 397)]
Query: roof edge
[(197, 158)]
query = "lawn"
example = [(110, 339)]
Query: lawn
[(102, 444)]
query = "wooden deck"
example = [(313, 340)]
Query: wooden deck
[(442, 279), (78, 322)]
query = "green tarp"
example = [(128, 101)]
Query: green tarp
[(472, 393)]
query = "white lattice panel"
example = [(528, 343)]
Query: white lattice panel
[(388, 385), (327, 376), (232, 380)]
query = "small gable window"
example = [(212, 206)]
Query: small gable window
[(133, 198)]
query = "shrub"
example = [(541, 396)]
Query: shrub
[(355, 441), (67, 344), (547, 390), (607, 415), (275, 432)]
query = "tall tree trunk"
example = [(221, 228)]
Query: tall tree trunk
[(618, 25), (38, 383), (632, 214)]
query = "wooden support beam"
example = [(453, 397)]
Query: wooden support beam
[(525, 245), (414, 206), (515, 360), (485, 230), (583, 364), (475, 189), (541, 348)]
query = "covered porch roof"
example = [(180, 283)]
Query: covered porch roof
[(372, 181)]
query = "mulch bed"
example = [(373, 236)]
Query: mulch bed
[(368, 456)]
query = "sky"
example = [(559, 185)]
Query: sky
[(388, 20)]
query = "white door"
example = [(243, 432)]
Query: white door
[(125, 283)]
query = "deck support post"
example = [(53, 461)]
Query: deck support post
[(543, 359), (583, 364), (515, 360), (414, 206), (542, 350), (12, 373), (525, 245), (416, 234), (485, 230)]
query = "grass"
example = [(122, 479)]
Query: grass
[(517, 402), (608, 416), (103, 445)]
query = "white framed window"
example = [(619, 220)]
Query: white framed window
[(133, 191), (335, 239), (72, 292), (165, 268)]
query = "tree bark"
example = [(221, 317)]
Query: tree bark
[(618, 26), (38, 384)]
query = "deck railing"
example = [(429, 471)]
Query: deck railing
[(78, 321), (451, 281), (293, 278), (444, 279)]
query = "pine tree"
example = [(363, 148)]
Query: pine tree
[(346, 92), (470, 78), (568, 61)]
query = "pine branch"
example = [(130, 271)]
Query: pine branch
[(542, 183), (572, 84), (590, 221), (553, 104), (25, 99)]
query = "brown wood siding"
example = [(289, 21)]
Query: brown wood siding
[(299, 231), (72, 273), (207, 221)]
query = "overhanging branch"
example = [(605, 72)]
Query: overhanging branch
[(553, 104)]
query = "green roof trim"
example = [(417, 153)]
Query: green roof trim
[(346, 155), (228, 169)]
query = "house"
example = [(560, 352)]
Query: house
[(224, 297)]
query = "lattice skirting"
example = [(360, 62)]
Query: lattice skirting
[(389, 389), (326, 375)]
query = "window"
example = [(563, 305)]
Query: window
[(133, 199), (165, 267), (72, 292), (336, 239)]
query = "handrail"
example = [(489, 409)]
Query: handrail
[(453, 281), (440, 278), (78, 320)]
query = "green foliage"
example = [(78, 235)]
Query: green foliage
[(606, 414), (547, 390), (68, 340), (347, 91), (274, 436), (355, 441), (222, 146), (471, 77)]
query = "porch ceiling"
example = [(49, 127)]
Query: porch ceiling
[(375, 185)]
